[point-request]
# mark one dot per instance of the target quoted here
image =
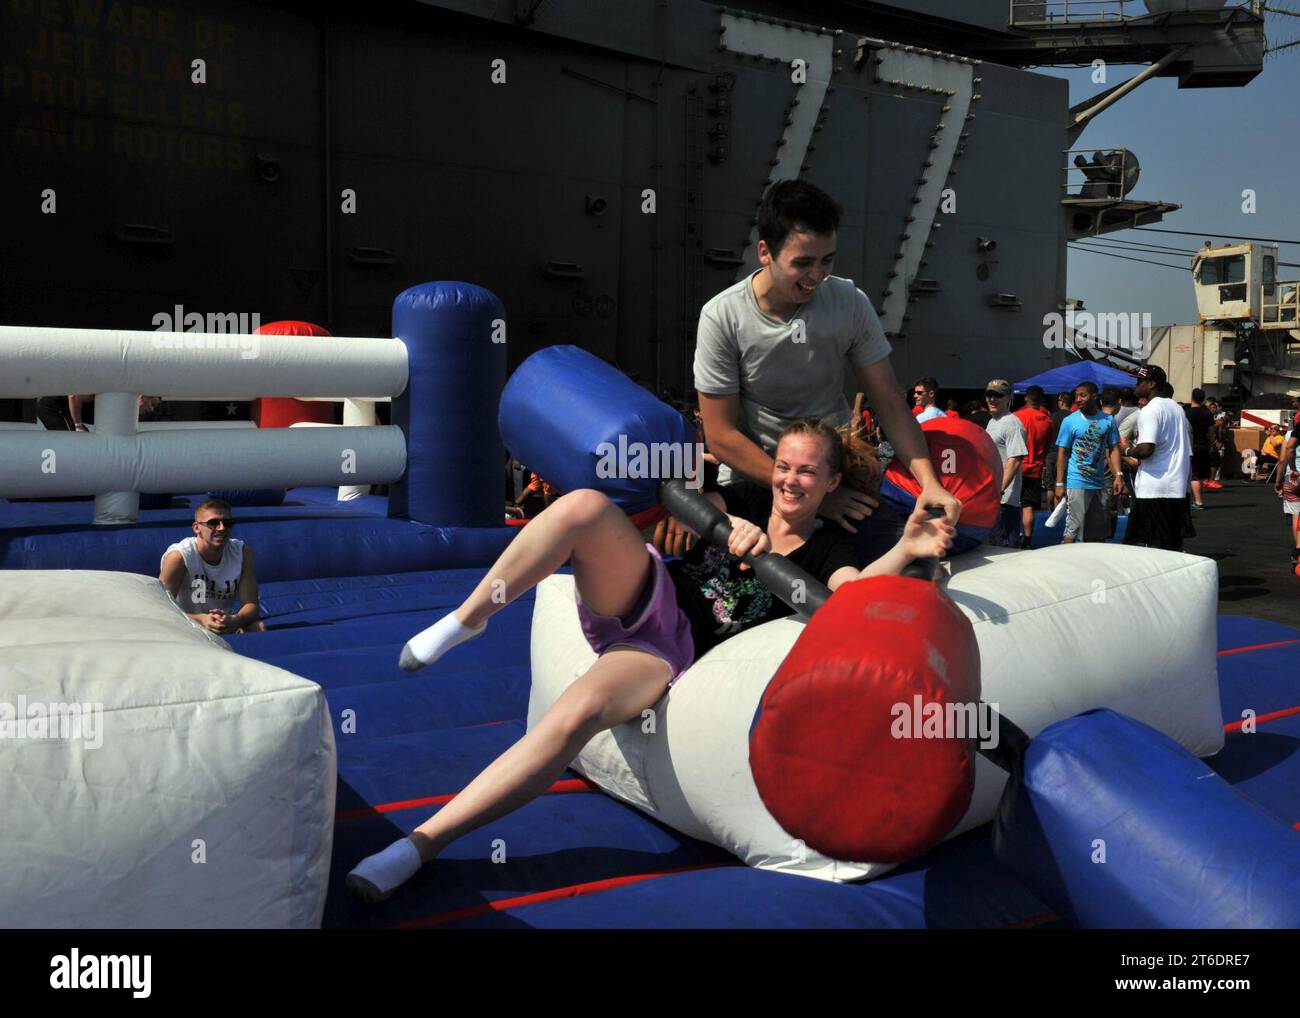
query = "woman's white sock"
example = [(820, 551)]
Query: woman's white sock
[(424, 648), (377, 876)]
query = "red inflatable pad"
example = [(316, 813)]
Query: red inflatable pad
[(825, 748)]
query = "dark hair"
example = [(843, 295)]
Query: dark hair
[(928, 383), (1109, 397), (1198, 395), (1066, 397), (847, 452), (1090, 386), (1127, 395), (1034, 394), (795, 204)]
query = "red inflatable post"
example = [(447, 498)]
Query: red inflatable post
[(864, 741), (282, 411)]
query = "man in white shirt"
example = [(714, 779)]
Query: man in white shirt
[(209, 573), (1162, 456)]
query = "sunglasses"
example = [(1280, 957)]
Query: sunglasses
[(217, 524), (994, 395)]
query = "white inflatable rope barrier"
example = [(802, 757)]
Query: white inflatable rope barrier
[(117, 461)]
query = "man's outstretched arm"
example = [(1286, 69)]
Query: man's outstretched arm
[(904, 434)]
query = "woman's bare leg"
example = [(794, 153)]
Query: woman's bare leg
[(618, 687), (610, 565), (610, 561)]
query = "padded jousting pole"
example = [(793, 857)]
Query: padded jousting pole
[(800, 591), (805, 594)]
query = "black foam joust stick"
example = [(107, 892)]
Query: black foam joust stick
[(802, 592)]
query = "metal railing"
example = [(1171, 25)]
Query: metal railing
[(1054, 13), (1104, 173), (1281, 308), (1038, 13)]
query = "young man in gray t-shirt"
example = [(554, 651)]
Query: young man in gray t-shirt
[(1008, 435), (774, 347)]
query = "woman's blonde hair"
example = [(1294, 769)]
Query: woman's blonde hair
[(847, 452)]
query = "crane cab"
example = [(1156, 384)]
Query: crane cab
[(1236, 282)]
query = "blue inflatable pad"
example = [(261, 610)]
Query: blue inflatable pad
[(1118, 826), (456, 356), (290, 542), (958, 886), (580, 423)]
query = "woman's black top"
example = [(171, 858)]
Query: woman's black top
[(720, 600)]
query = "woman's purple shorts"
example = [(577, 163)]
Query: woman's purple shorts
[(655, 624)]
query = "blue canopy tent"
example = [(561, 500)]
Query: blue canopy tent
[(1064, 379)]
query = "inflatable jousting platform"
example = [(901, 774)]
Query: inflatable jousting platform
[(802, 747)]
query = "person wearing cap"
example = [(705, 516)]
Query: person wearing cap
[(1087, 442), (1008, 435), (1038, 433), (1162, 457)]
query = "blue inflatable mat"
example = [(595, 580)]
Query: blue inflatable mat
[(578, 858), (421, 737), (553, 842), (959, 886), (1263, 765), (319, 601), (290, 541)]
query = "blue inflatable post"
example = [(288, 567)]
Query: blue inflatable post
[(455, 466), (580, 423), (1117, 826)]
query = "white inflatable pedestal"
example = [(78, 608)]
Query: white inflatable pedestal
[(1061, 630), (200, 794)]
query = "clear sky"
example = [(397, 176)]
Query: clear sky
[(1199, 147)]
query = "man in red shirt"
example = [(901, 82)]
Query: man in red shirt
[(1038, 436)]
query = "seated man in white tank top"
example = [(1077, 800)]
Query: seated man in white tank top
[(209, 573)]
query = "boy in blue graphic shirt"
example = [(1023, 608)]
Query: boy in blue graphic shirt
[(1087, 440)]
